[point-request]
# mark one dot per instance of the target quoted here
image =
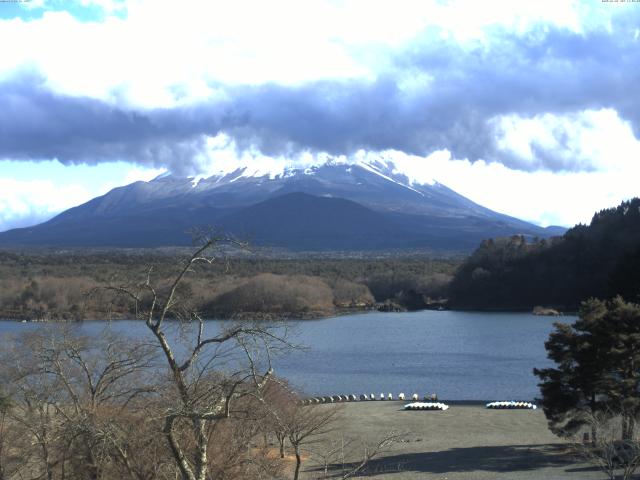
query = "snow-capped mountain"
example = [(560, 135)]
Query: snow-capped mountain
[(341, 206)]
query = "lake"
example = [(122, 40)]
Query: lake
[(458, 355)]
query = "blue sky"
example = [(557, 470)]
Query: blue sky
[(81, 11), (527, 107)]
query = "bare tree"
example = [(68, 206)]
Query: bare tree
[(343, 450), (288, 418), (606, 450), (278, 400), (371, 451), (185, 402), (33, 392), (70, 395), (12, 445), (208, 372), (305, 424), (4, 407)]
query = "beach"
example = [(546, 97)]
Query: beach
[(465, 442)]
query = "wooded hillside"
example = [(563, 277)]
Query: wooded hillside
[(598, 260)]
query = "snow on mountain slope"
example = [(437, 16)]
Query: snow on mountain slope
[(378, 185), (379, 199), (382, 168)]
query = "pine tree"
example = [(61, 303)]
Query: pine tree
[(597, 367)]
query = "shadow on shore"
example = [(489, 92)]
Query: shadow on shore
[(498, 459)]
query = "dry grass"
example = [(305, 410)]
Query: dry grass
[(462, 443)]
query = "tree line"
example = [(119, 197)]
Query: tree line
[(52, 286), (517, 273)]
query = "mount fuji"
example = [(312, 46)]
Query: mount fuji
[(335, 206)]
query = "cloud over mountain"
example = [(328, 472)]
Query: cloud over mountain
[(434, 94), (458, 107), (526, 107)]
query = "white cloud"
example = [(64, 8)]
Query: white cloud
[(137, 174), (222, 157), (24, 203), (28, 202), (163, 52), (599, 139), (542, 197)]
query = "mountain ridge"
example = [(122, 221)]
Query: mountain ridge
[(395, 212)]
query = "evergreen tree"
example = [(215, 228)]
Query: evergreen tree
[(625, 277), (600, 260), (597, 367)]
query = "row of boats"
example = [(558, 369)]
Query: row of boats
[(426, 406), (430, 402), (511, 405), (365, 397)]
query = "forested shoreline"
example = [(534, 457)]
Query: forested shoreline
[(57, 286), (598, 260)]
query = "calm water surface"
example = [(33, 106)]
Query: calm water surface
[(458, 355)]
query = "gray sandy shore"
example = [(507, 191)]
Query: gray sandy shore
[(464, 442)]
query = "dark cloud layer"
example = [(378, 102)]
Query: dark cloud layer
[(546, 71), (38, 124)]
